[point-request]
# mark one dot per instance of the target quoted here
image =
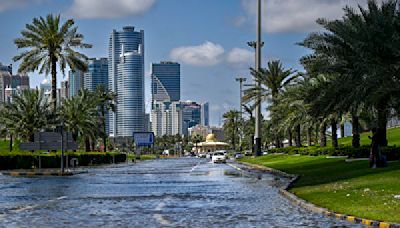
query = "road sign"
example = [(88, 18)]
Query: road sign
[(143, 138)]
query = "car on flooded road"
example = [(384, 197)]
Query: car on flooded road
[(218, 157)]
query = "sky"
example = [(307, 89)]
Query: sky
[(207, 37)]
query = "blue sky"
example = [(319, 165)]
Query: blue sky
[(208, 37)]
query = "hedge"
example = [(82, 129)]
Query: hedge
[(391, 152), (54, 161)]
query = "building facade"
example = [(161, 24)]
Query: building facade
[(97, 74), (205, 114), (191, 115), (75, 82), (166, 118), (12, 85), (126, 79), (166, 81)]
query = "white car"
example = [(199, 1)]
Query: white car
[(218, 157)]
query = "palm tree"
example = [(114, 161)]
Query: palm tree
[(80, 116), (196, 139), (47, 44), (273, 80), (106, 102), (231, 125), (362, 49), (28, 113)]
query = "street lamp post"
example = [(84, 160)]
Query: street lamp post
[(241, 80), (257, 133)]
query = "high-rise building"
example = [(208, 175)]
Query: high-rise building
[(97, 74), (75, 82), (45, 86), (6, 68), (126, 78), (205, 114), (14, 84), (191, 115), (64, 90), (166, 118), (166, 81)]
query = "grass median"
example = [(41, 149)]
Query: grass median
[(344, 187)]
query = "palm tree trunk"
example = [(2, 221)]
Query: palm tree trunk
[(342, 130), (382, 124), (87, 144), (298, 135), (334, 133), (356, 131), (54, 82), (309, 136), (322, 135), (104, 130), (290, 137), (11, 142)]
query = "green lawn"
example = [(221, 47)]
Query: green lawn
[(348, 188), (393, 137)]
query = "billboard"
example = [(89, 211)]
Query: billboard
[(143, 138)]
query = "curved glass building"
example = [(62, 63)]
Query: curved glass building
[(126, 78)]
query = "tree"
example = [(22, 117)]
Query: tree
[(80, 116), (28, 113), (231, 125), (273, 80), (47, 44), (106, 102), (196, 139), (362, 49)]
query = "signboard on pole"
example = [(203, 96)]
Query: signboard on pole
[(143, 138)]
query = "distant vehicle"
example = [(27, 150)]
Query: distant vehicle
[(248, 153), (265, 153), (208, 155), (238, 155), (218, 157), (165, 152), (201, 155)]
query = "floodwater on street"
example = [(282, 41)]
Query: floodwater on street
[(184, 192)]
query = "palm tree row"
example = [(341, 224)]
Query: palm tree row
[(352, 74), (31, 112)]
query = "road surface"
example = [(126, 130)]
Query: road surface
[(185, 192)]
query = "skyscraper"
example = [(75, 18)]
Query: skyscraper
[(191, 115), (166, 118), (75, 82), (166, 81), (126, 78), (12, 84), (205, 114), (64, 90), (97, 74)]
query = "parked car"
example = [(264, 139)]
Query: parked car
[(201, 155), (265, 152), (238, 155), (209, 155), (218, 157), (165, 152), (248, 153)]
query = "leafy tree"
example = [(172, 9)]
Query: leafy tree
[(47, 44)]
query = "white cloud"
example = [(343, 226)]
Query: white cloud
[(109, 8), (240, 56), (296, 15), (206, 54)]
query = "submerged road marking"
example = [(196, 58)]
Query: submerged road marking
[(159, 217), (235, 167)]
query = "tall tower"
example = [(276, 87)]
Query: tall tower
[(97, 74), (75, 82), (166, 81), (126, 79)]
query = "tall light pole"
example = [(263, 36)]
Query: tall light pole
[(241, 80), (257, 133)]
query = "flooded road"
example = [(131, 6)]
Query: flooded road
[(185, 192)]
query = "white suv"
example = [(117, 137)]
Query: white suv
[(218, 157)]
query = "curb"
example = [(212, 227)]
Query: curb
[(313, 208), (35, 174)]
